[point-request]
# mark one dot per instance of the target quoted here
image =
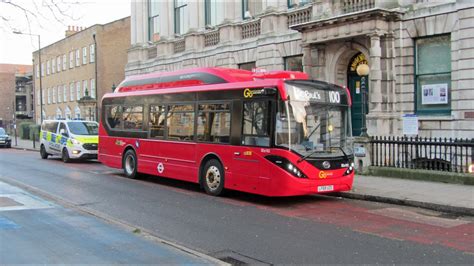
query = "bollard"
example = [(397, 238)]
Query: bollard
[(34, 140)]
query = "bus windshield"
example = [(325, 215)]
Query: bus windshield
[(314, 128), (83, 128)]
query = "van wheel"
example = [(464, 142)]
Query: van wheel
[(129, 163), (65, 156), (212, 177), (43, 153)]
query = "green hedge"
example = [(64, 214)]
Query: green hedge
[(35, 129), (24, 129)]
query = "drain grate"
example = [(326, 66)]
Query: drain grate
[(237, 259)]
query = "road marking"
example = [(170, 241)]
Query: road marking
[(411, 216), (13, 199)]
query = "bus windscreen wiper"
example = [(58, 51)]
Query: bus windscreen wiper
[(306, 156)]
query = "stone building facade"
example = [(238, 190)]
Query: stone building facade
[(88, 61), (16, 90), (419, 52)]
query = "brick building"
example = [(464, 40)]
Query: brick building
[(88, 60), (419, 53), (16, 93)]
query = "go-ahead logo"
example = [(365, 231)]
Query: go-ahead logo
[(248, 93)]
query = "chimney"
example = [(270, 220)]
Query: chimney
[(72, 29)]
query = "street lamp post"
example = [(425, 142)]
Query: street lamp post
[(40, 68), (363, 70)]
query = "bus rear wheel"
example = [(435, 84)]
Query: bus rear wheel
[(212, 177), (129, 163)]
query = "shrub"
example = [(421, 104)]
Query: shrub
[(24, 129), (34, 132)]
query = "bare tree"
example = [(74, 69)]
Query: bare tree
[(22, 14)]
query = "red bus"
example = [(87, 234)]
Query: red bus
[(274, 133)]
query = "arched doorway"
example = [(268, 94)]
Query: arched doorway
[(359, 88)]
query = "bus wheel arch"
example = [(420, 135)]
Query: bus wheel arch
[(130, 162), (212, 165)]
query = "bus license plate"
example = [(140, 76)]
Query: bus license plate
[(325, 188)]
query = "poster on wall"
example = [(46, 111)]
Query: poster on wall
[(434, 94), (410, 124)]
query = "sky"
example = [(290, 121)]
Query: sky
[(18, 49)]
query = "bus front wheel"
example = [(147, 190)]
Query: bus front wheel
[(129, 164), (213, 177)]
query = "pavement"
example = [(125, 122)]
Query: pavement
[(453, 198), (36, 231)]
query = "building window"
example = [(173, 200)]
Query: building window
[(92, 92), (42, 69), (214, 12), (42, 96), (58, 63), (78, 57), (294, 63), (433, 75), (250, 8), (293, 3), (48, 67), (37, 71), (49, 96), (54, 94), (53, 66), (247, 66), (154, 21), (60, 97), (84, 87), (92, 53), (71, 91), (64, 62), (77, 112), (64, 93), (84, 55), (71, 59), (181, 16), (78, 90), (180, 122)]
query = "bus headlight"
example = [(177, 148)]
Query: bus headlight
[(350, 169), (286, 165)]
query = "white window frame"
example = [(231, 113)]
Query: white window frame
[(49, 96), (78, 90), (85, 87), (53, 66), (71, 59), (84, 55), (60, 96), (92, 93), (71, 91), (48, 67), (37, 70), (91, 53), (64, 93), (64, 62), (58, 64), (78, 57)]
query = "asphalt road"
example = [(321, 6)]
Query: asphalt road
[(248, 228)]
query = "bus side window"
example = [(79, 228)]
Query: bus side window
[(156, 122), (114, 117), (256, 124)]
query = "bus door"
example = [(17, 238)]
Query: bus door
[(255, 137)]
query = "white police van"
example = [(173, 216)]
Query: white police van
[(70, 139)]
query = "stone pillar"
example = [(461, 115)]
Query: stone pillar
[(375, 90), (307, 65)]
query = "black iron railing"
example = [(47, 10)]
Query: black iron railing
[(442, 154)]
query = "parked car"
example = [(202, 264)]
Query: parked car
[(5, 140)]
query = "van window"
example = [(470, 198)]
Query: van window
[(83, 128), (50, 126), (63, 126)]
